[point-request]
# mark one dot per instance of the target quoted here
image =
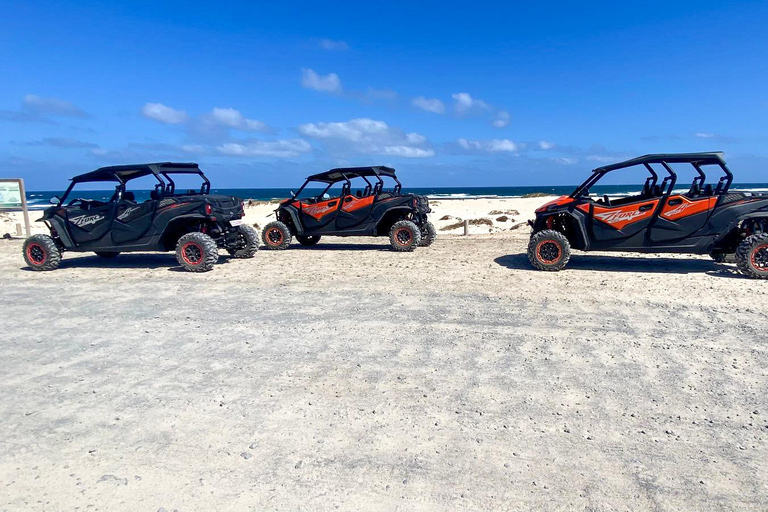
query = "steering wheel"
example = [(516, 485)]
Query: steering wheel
[(607, 200)]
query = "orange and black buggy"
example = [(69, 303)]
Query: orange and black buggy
[(352, 201), (703, 218)]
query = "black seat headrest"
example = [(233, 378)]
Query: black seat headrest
[(154, 195), (129, 196)]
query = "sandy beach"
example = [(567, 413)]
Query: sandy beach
[(350, 377)]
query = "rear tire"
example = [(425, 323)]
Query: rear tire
[(752, 256), (107, 254), (549, 250), (428, 235), (197, 252), (404, 236), (276, 236), (308, 239), (41, 253), (251, 243)]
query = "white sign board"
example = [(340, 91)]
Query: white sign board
[(13, 197)]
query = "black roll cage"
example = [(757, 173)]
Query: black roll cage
[(346, 175), (669, 181), (117, 173)]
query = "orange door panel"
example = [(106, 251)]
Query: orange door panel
[(622, 216), (683, 207), (320, 210), (355, 203)]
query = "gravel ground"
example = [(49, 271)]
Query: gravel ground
[(350, 377)]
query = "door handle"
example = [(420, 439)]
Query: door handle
[(673, 202), (348, 200), (332, 203), (645, 207)]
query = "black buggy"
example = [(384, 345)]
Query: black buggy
[(194, 222), (352, 202), (704, 217)]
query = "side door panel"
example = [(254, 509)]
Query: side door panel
[(88, 226), (354, 211), (132, 220), (319, 216), (681, 217), (610, 226)]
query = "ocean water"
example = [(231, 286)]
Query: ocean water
[(37, 199)]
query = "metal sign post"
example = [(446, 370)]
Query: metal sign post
[(13, 196)]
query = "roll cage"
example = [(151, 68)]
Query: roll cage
[(345, 174), (651, 187), (122, 174)]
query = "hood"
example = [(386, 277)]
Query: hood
[(560, 201)]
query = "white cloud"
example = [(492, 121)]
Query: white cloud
[(601, 159), (234, 119), (330, 44), (464, 102), (704, 135), (502, 119), (488, 146), (324, 83), (369, 136), (275, 148), (546, 145), (52, 106), (164, 114), (429, 104)]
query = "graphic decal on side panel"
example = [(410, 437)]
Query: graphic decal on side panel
[(621, 216), (85, 220), (320, 210)]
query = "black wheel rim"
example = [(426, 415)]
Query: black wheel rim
[(36, 253), (760, 258), (275, 236), (403, 236), (192, 253), (549, 251)]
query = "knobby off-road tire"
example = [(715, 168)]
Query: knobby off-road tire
[(197, 252), (106, 254), (276, 236), (549, 250), (41, 253), (251, 243), (308, 239), (428, 235), (752, 256), (404, 236)]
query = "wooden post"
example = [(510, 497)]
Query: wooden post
[(466, 227), (18, 229)]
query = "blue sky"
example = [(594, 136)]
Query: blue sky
[(262, 94)]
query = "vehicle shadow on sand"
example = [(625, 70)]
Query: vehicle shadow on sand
[(337, 247), (629, 264), (128, 261)]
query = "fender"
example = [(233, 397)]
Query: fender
[(406, 209), (738, 220), (581, 233), (61, 230), (294, 217)]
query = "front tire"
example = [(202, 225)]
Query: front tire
[(752, 256), (106, 254), (251, 238), (428, 235), (308, 240), (197, 252), (41, 253), (549, 250), (404, 236), (276, 236)]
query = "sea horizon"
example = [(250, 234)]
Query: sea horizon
[(41, 198)]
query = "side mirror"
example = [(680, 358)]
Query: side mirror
[(54, 200), (326, 196)]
